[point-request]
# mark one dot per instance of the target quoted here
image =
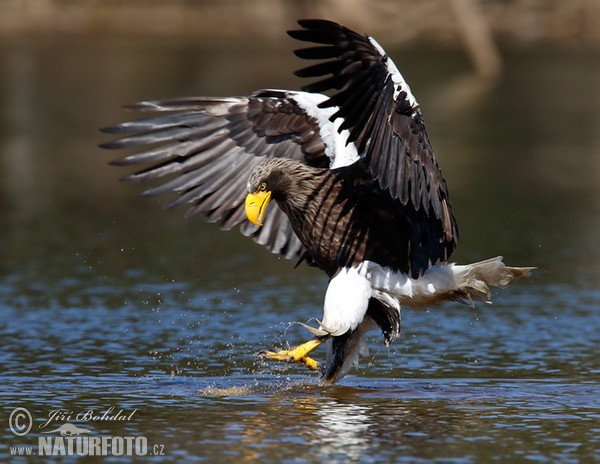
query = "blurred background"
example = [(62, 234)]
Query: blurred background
[(106, 299), (514, 22)]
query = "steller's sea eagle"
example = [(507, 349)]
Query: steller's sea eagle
[(346, 182)]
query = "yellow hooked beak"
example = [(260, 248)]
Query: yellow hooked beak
[(256, 204)]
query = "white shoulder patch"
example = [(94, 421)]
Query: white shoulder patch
[(396, 76), (340, 152), (346, 300)]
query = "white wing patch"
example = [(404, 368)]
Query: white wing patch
[(401, 84), (338, 150)]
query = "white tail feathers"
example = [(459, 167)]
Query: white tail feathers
[(346, 302), (465, 283), (473, 280)]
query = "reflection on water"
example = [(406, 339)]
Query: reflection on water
[(342, 430), (108, 301)]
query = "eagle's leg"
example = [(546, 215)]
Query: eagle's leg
[(298, 354)]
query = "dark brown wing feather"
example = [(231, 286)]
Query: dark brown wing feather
[(386, 125), (205, 148)]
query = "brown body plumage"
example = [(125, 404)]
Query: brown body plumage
[(341, 216)]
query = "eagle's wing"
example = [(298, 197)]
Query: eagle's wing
[(205, 148), (384, 121)]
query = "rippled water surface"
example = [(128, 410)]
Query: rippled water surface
[(112, 305)]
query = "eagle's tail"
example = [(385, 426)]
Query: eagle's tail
[(466, 283), (472, 281)]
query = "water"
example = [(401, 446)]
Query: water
[(109, 304)]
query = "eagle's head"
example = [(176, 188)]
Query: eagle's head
[(275, 178)]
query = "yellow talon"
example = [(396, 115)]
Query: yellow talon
[(298, 354)]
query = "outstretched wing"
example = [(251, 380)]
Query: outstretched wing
[(384, 121), (205, 148)]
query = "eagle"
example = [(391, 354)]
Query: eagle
[(339, 175)]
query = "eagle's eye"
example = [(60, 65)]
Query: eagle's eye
[(262, 187)]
